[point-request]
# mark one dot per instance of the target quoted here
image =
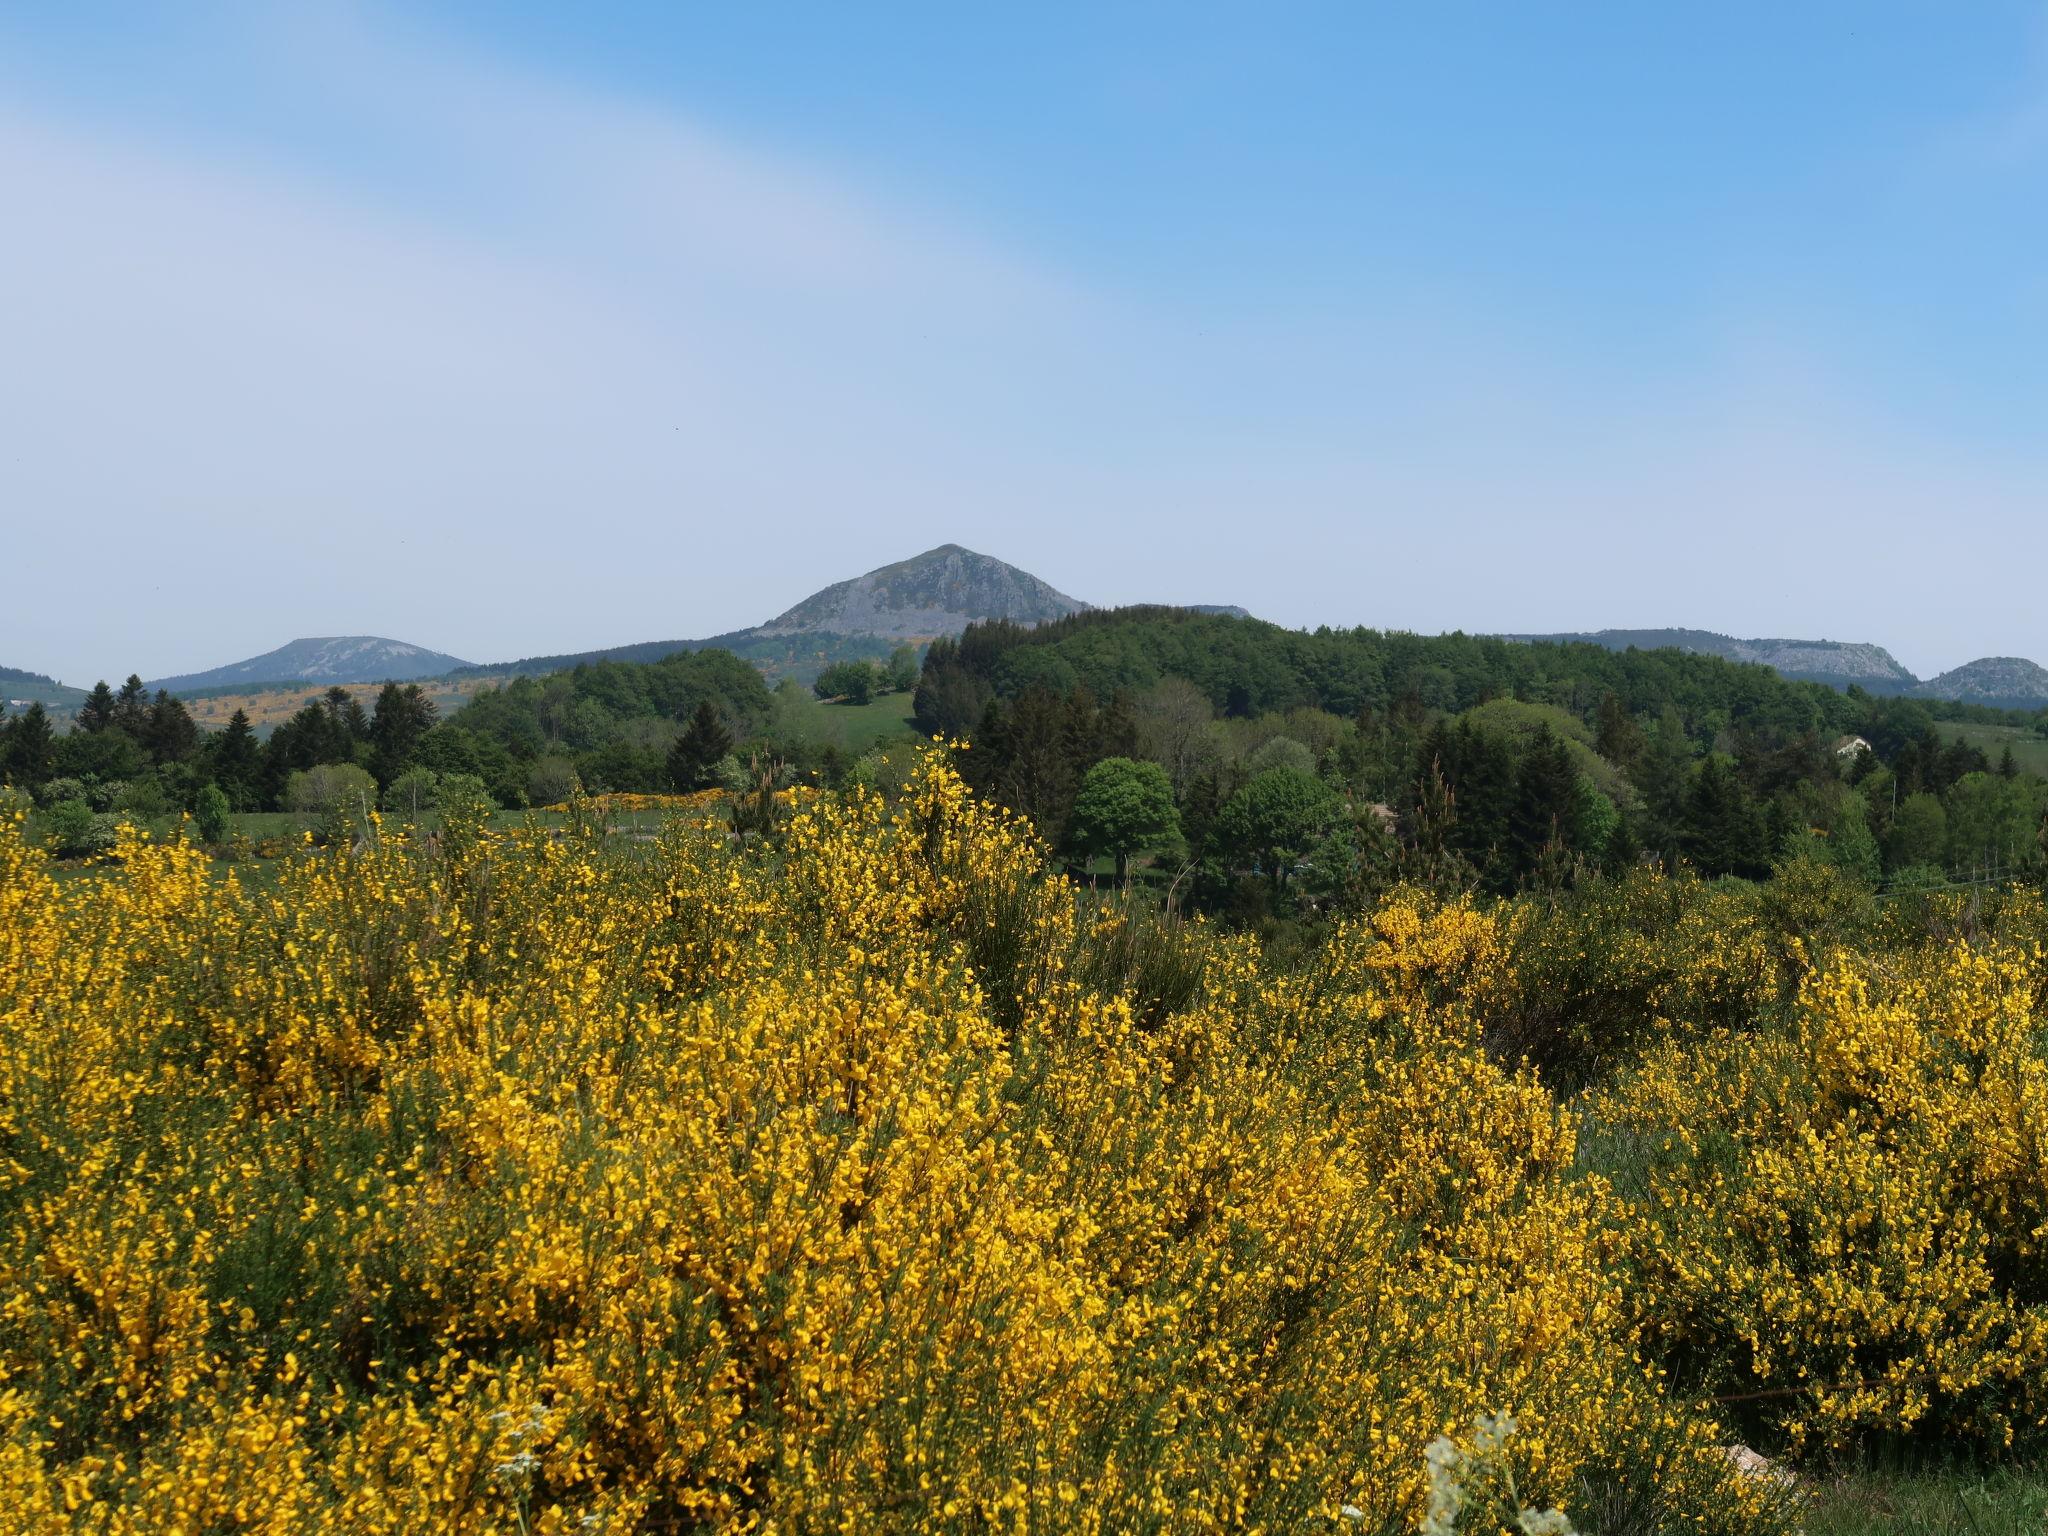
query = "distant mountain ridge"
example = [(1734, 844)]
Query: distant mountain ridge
[(939, 592), (1835, 662), (2002, 682), (324, 659)]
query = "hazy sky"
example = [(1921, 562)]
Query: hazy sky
[(510, 329)]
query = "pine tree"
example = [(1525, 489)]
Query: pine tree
[(402, 719), (96, 714), (1431, 858), (1622, 852), (238, 761), (2007, 767), (169, 733), (30, 748), (1724, 832), (1545, 804), (351, 724), (131, 706), (1620, 740), (705, 742), (1038, 773), (1664, 775)]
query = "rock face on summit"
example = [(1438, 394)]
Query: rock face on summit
[(1834, 662), (2003, 682), (936, 593)]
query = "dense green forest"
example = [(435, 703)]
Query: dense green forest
[(683, 722), (1321, 759), (1255, 769)]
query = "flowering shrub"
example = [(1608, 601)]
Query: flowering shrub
[(846, 1180), (1844, 1221)]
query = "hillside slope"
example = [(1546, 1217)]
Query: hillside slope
[(1834, 662), (936, 593), (2001, 682), (329, 659), (19, 689), (939, 592)]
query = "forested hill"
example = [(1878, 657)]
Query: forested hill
[(19, 689), (1343, 756), (1840, 664), (1998, 682), (1247, 667)]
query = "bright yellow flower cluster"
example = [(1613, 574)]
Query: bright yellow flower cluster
[(700, 799), (1852, 1212), (557, 1184), (622, 802)]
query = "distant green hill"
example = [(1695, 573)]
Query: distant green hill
[(802, 656), (1838, 663), (1996, 682), (327, 659), (19, 689)]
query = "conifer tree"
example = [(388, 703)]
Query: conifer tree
[(96, 714), (705, 742), (1724, 832), (30, 747), (1622, 852), (131, 706), (238, 761), (169, 733), (1546, 801), (403, 716), (1620, 740)]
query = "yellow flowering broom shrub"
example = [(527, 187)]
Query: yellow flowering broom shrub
[(1844, 1222), (535, 1184)]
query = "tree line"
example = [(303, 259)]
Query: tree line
[(1315, 766), (684, 722)]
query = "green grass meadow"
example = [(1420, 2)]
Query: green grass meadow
[(1998, 1502), (2029, 749), (855, 728)]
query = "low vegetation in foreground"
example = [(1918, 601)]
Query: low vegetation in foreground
[(855, 1173)]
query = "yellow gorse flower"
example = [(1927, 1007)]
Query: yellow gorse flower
[(837, 1182)]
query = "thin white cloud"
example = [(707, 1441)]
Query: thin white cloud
[(302, 409)]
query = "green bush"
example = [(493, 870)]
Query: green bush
[(55, 792), (318, 791), (144, 798), (552, 780), (210, 814), (78, 832), (852, 681), (414, 793)]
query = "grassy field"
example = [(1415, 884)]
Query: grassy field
[(854, 728), (2029, 750), (2001, 1502), (271, 707)]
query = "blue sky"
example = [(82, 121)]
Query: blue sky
[(513, 329)]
